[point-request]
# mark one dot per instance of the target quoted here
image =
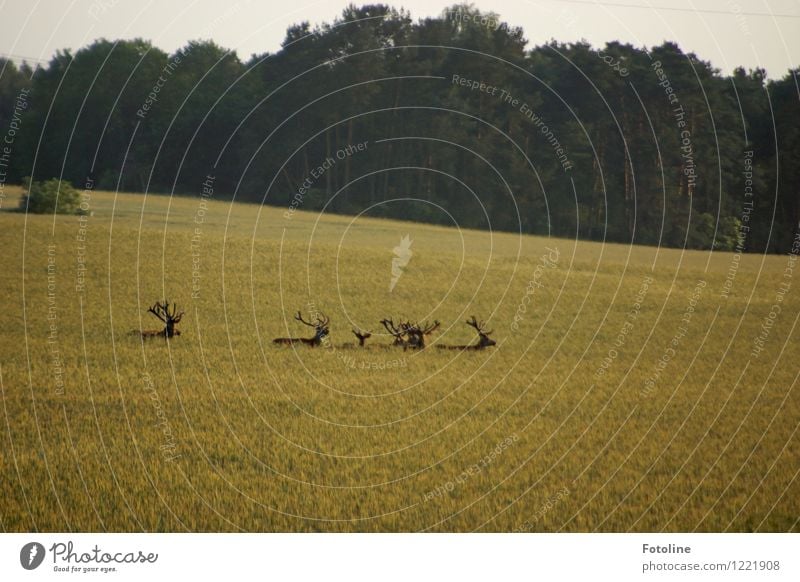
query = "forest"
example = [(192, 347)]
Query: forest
[(452, 120)]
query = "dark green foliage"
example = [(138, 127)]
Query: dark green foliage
[(574, 141)]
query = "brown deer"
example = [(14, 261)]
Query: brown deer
[(484, 341), (321, 330), (362, 336), (416, 333), (398, 333), (169, 317)]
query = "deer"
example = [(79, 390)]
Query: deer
[(416, 333), (362, 336), (321, 330), (398, 333), (484, 341), (169, 317)]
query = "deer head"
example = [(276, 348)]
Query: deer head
[(362, 336), (320, 325), (416, 333), (170, 317)]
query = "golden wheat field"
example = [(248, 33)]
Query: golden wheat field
[(631, 388)]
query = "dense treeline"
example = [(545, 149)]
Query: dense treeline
[(457, 120)]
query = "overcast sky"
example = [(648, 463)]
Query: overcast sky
[(727, 33)]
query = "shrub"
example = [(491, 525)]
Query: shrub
[(52, 195), (730, 230)]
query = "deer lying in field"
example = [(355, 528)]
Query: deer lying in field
[(321, 330), (169, 317), (484, 341), (409, 335), (362, 337), (417, 333)]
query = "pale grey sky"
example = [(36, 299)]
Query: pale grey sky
[(727, 33)]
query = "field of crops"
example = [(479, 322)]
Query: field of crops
[(631, 388)]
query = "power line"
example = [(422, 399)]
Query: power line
[(676, 9)]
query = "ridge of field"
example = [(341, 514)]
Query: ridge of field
[(569, 424)]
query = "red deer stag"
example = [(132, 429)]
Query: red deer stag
[(362, 336), (416, 333), (484, 341), (398, 333), (169, 317), (321, 330)]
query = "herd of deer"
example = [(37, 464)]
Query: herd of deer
[(407, 335)]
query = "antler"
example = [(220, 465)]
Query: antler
[(162, 312), (171, 316), (423, 329), (157, 309), (392, 328), (479, 327), (322, 320), (299, 317), (427, 329)]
